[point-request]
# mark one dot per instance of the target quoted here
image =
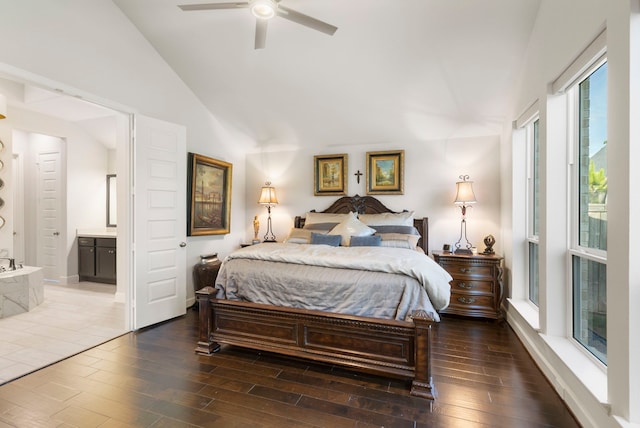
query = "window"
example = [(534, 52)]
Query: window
[(533, 200), (589, 214)]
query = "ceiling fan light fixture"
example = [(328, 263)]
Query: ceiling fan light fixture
[(263, 9)]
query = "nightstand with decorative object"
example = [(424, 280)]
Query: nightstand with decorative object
[(205, 272), (476, 289)]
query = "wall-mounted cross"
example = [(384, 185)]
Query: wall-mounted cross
[(358, 175)]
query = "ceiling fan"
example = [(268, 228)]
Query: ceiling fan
[(264, 10)]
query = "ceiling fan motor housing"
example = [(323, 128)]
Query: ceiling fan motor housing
[(263, 9)]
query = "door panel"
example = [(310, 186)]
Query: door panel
[(48, 252), (159, 221)]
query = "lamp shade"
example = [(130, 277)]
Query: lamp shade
[(268, 195), (464, 192)]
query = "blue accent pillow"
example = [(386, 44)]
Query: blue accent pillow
[(365, 241), (320, 238)]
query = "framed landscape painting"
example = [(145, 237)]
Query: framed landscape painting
[(385, 173), (209, 193), (330, 176)]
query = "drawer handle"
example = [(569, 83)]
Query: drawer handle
[(466, 300), (465, 285), (465, 270), (112, 252)]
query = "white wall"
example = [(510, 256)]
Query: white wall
[(431, 171)]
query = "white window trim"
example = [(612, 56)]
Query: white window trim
[(582, 65), (532, 115), (573, 114), (531, 236), (573, 247)]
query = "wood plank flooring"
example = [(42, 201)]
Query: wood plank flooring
[(153, 378)]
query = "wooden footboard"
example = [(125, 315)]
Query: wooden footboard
[(385, 347)]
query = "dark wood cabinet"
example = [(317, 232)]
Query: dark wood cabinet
[(476, 288), (97, 259), (86, 258)]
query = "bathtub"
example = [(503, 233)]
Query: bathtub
[(21, 290)]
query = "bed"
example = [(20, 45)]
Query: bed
[(397, 345)]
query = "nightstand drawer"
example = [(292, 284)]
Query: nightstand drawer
[(471, 301), (479, 287), (458, 270)]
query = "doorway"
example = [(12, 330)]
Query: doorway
[(159, 151), (39, 217), (46, 179)]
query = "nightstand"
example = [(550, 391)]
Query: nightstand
[(476, 289)]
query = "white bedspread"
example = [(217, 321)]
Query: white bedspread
[(433, 278)]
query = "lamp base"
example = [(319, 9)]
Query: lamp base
[(269, 240), (463, 251)]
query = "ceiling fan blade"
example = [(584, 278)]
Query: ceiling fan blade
[(211, 6), (306, 20), (261, 33)]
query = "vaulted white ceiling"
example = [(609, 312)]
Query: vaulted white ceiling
[(395, 70)]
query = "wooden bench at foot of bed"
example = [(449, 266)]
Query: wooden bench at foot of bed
[(391, 348)]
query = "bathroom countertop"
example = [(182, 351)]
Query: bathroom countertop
[(105, 232)]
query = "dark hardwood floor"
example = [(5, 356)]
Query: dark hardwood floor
[(483, 378)]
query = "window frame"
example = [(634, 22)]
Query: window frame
[(532, 238), (574, 249)]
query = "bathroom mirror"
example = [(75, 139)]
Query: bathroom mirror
[(112, 207)]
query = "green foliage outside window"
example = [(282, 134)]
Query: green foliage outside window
[(597, 185)]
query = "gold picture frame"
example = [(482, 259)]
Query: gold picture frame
[(330, 175), (209, 196), (385, 172)]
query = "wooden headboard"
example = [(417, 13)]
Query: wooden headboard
[(370, 205)]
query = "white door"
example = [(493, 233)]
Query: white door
[(48, 215), (159, 201)]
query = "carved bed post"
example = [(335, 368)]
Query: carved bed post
[(422, 384), (205, 345)]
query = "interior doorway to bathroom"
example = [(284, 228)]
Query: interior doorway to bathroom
[(38, 187)]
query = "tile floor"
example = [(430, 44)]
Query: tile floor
[(72, 319)]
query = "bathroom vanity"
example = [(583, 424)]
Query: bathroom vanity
[(97, 257)]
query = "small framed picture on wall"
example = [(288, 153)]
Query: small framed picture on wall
[(330, 175), (385, 173)]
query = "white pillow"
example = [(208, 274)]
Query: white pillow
[(388, 219), (351, 227), (399, 240), (299, 236), (313, 218)]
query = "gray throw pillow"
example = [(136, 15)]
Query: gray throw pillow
[(365, 241), (320, 238)]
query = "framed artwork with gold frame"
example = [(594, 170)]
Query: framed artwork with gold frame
[(209, 196), (385, 172), (330, 175)]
